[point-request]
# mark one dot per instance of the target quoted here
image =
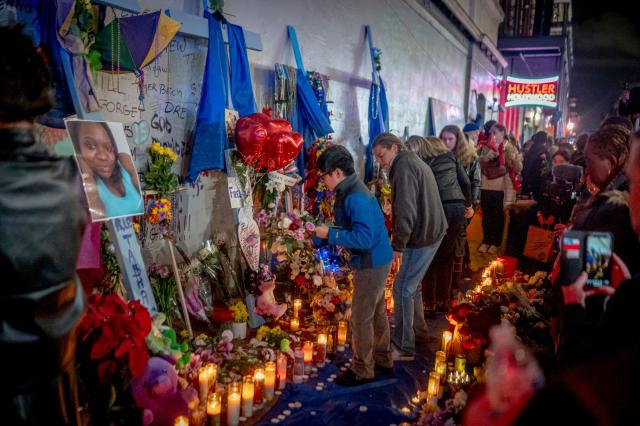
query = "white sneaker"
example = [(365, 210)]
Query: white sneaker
[(493, 250), (483, 248)]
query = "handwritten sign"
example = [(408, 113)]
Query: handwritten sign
[(249, 238), (287, 180), (132, 267), (236, 196)]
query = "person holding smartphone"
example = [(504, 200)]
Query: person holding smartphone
[(360, 228)]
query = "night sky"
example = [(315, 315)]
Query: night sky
[(606, 53)]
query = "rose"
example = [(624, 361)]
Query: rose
[(286, 223), (310, 226)]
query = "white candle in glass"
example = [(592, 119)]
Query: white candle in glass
[(269, 379), (247, 396), (233, 405)]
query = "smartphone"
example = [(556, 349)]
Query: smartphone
[(586, 251)]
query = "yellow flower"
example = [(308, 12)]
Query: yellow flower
[(136, 227), (184, 334)]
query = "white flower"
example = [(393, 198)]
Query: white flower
[(286, 222), (317, 280), (227, 335), (280, 187)]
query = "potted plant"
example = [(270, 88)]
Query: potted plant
[(240, 317)]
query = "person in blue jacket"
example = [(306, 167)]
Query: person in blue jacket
[(359, 227)]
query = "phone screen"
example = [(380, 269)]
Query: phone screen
[(598, 259)]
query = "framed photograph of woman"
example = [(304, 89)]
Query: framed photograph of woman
[(109, 177)]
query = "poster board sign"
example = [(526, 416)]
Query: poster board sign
[(531, 91), (443, 113), (109, 177)]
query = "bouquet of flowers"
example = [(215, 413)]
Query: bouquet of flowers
[(449, 415), (330, 304), (159, 176), (240, 313), (163, 285), (272, 336), (215, 267)]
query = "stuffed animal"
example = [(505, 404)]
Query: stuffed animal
[(266, 302), (162, 340), (157, 393)]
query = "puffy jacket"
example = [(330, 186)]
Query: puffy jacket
[(453, 181), (473, 172), (41, 223), (360, 225), (418, 216)]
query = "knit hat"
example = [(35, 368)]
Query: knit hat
[(470, 127)]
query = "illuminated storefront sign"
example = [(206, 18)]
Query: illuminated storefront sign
[(532, 91)]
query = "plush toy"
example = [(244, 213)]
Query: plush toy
[(157, 393), (266, 302), (162, 340)]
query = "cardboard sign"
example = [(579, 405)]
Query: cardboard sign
[(236, 194), (249, 238), (287, 180)]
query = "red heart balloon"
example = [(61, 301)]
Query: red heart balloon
[(278, 125), (281, 149), (251, 137)]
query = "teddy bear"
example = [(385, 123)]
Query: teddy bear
[(157, 393), (266, 302)]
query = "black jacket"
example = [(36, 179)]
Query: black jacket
[(473, 172), (41, 224), (453, 181), (534, 169), (418, 216)]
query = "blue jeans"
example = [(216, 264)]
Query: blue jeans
[(407, 299)]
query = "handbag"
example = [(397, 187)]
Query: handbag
[(539, 245), (492, 168)]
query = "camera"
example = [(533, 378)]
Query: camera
[(563, 187)]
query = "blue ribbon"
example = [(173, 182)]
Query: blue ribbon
[(378, 122)]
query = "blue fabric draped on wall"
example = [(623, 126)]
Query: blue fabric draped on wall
[(240, 75), (378, 122)]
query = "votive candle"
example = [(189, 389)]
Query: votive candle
[(441, 363), (214, 408), (233, 405), (321, 351), (460, 363), (434, 384), (342, 335), (269, 379), (204, 377), (247, 396), (258, 385), (282, 370), (294, 325), (308, 356), (446, 341), (297, 306), (181, 421), (298, 366)]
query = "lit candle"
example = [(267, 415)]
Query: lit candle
[(297, 306), (181, 421), (434, 384), (446, 341), (298, 366), (342, 335), (213, 375), (406, 411), (461, 363), (322, 348), (282, 370), (295, 325), (204, 377), (441, 363), (269, 379), (308, 356), (258, 386), (214, 408), (247, 396), (233, 405)]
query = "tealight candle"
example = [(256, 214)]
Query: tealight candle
[(434, 384), (247, 396), (297, 306), (342, 335), (460, 363), (446, 341), (181, 421), (214, 408), (258, 386), (233, 405), (269, 379), (321, 349), (441, 363), (282, 370), (294, 325)]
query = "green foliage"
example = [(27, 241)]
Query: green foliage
[(159, 176)]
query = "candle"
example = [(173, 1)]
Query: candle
[(214, 408), (461, 363), (297, 306), (269, 379), (295, 325), (247, 396), (198, 418), (258, 385), (233, 405), (298, 365), (441, 363), (282, 370), (204, 378), (322, 348), (331, 349), (434, 384), (446, 341), (342, 335), (308, 356), (181, 421)]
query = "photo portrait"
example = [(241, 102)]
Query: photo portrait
[(109, 177)]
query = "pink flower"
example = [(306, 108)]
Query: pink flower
[(310, 226), (299, 234)]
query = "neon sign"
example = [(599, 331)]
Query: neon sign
[(532, 91)]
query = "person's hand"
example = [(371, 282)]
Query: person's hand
[(468, 212), (397, 257), (619, 271), (322, 231), (575, 293), (559, 228)]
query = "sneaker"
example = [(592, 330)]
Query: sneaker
[(493, 250), (483, 248), (402, 356), (349, 378), (382, 369)]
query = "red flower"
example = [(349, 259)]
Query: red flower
[(335, 300), (300, 280)]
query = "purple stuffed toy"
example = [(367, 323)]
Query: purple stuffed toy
[(157, 393)]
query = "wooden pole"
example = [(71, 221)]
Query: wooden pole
[(183, 302)]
